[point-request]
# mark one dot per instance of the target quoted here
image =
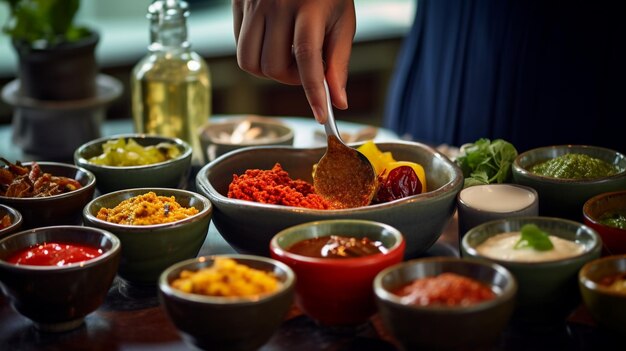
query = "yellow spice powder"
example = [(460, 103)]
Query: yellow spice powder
[(228, 278), (146, 209)]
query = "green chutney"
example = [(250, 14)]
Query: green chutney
[(615, 219), (575, 166)]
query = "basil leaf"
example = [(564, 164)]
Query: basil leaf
[(535, 238)]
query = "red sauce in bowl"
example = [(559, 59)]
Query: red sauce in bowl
[(446, 289), (336, 246), (54, 254)]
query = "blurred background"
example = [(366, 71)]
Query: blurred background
[(124, 32)]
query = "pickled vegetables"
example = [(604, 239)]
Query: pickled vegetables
[(122, 153)]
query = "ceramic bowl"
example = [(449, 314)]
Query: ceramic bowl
[(470, 327), (227, 323), (607, 306), (61, 209), (57, 298), (148, 249), (249, 226), (337, 291), (483, 203), (218, 138), (15, 220), (565, 197), (168, 174), (613, 238), (547, 290)]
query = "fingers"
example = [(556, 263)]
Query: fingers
[(287, 41), (250, 38), (237, 17), (277, 60), (308, 47), (337, 54)]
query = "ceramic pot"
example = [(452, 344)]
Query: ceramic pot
[(64, 72)]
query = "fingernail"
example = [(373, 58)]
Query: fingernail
[(344, 98), (319, 114)]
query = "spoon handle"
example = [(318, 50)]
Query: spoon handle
[(330, 126)]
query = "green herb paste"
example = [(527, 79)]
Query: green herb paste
[(575, 166), (615, 219)]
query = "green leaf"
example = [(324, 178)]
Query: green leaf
[(535, 238), (43, 23), (485, 162)]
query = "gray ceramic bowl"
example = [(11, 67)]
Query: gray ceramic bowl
[(483, 203), (249, 226), (547, 290), (169, 174), (565, 197), (148, 249), (14, 216), (445, 327), (57, 298), (608, 307), (59, 209), (227, 323), (218, 138)]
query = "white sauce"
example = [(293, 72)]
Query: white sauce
[(501, 247), (499, 198)]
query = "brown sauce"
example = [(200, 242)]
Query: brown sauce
[(336, 246)]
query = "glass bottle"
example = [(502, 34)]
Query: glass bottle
[(170, 87)]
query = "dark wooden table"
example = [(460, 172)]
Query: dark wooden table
[(139, 323)]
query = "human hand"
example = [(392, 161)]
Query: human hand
[(298, 42)]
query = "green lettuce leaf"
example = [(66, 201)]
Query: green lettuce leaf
[(486, 162)]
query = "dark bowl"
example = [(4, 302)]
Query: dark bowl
[(271, 132), (613, 238), (62, 209), (565, 197), (57, 298), (249, 226), (608, 307), (14, 216), (148, 249), (337, 291), (168, 174), (473, 327), (547, 290), (227, 323)]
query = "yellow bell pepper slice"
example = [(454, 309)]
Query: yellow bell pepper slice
[(377, 158), (384, 162)]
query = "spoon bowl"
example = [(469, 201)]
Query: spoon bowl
[(343, 176)]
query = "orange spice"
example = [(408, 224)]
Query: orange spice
[(146, 209), (275, 187)]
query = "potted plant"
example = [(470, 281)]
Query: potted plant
[(56, 57), (59, 98)]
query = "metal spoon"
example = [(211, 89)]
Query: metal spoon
[(343, 176)]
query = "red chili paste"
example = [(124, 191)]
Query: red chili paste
[(447, 289), (335, 246), (54, 254), (275, 187)]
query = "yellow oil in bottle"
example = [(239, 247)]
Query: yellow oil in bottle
[(170, 87), (173, 101)]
